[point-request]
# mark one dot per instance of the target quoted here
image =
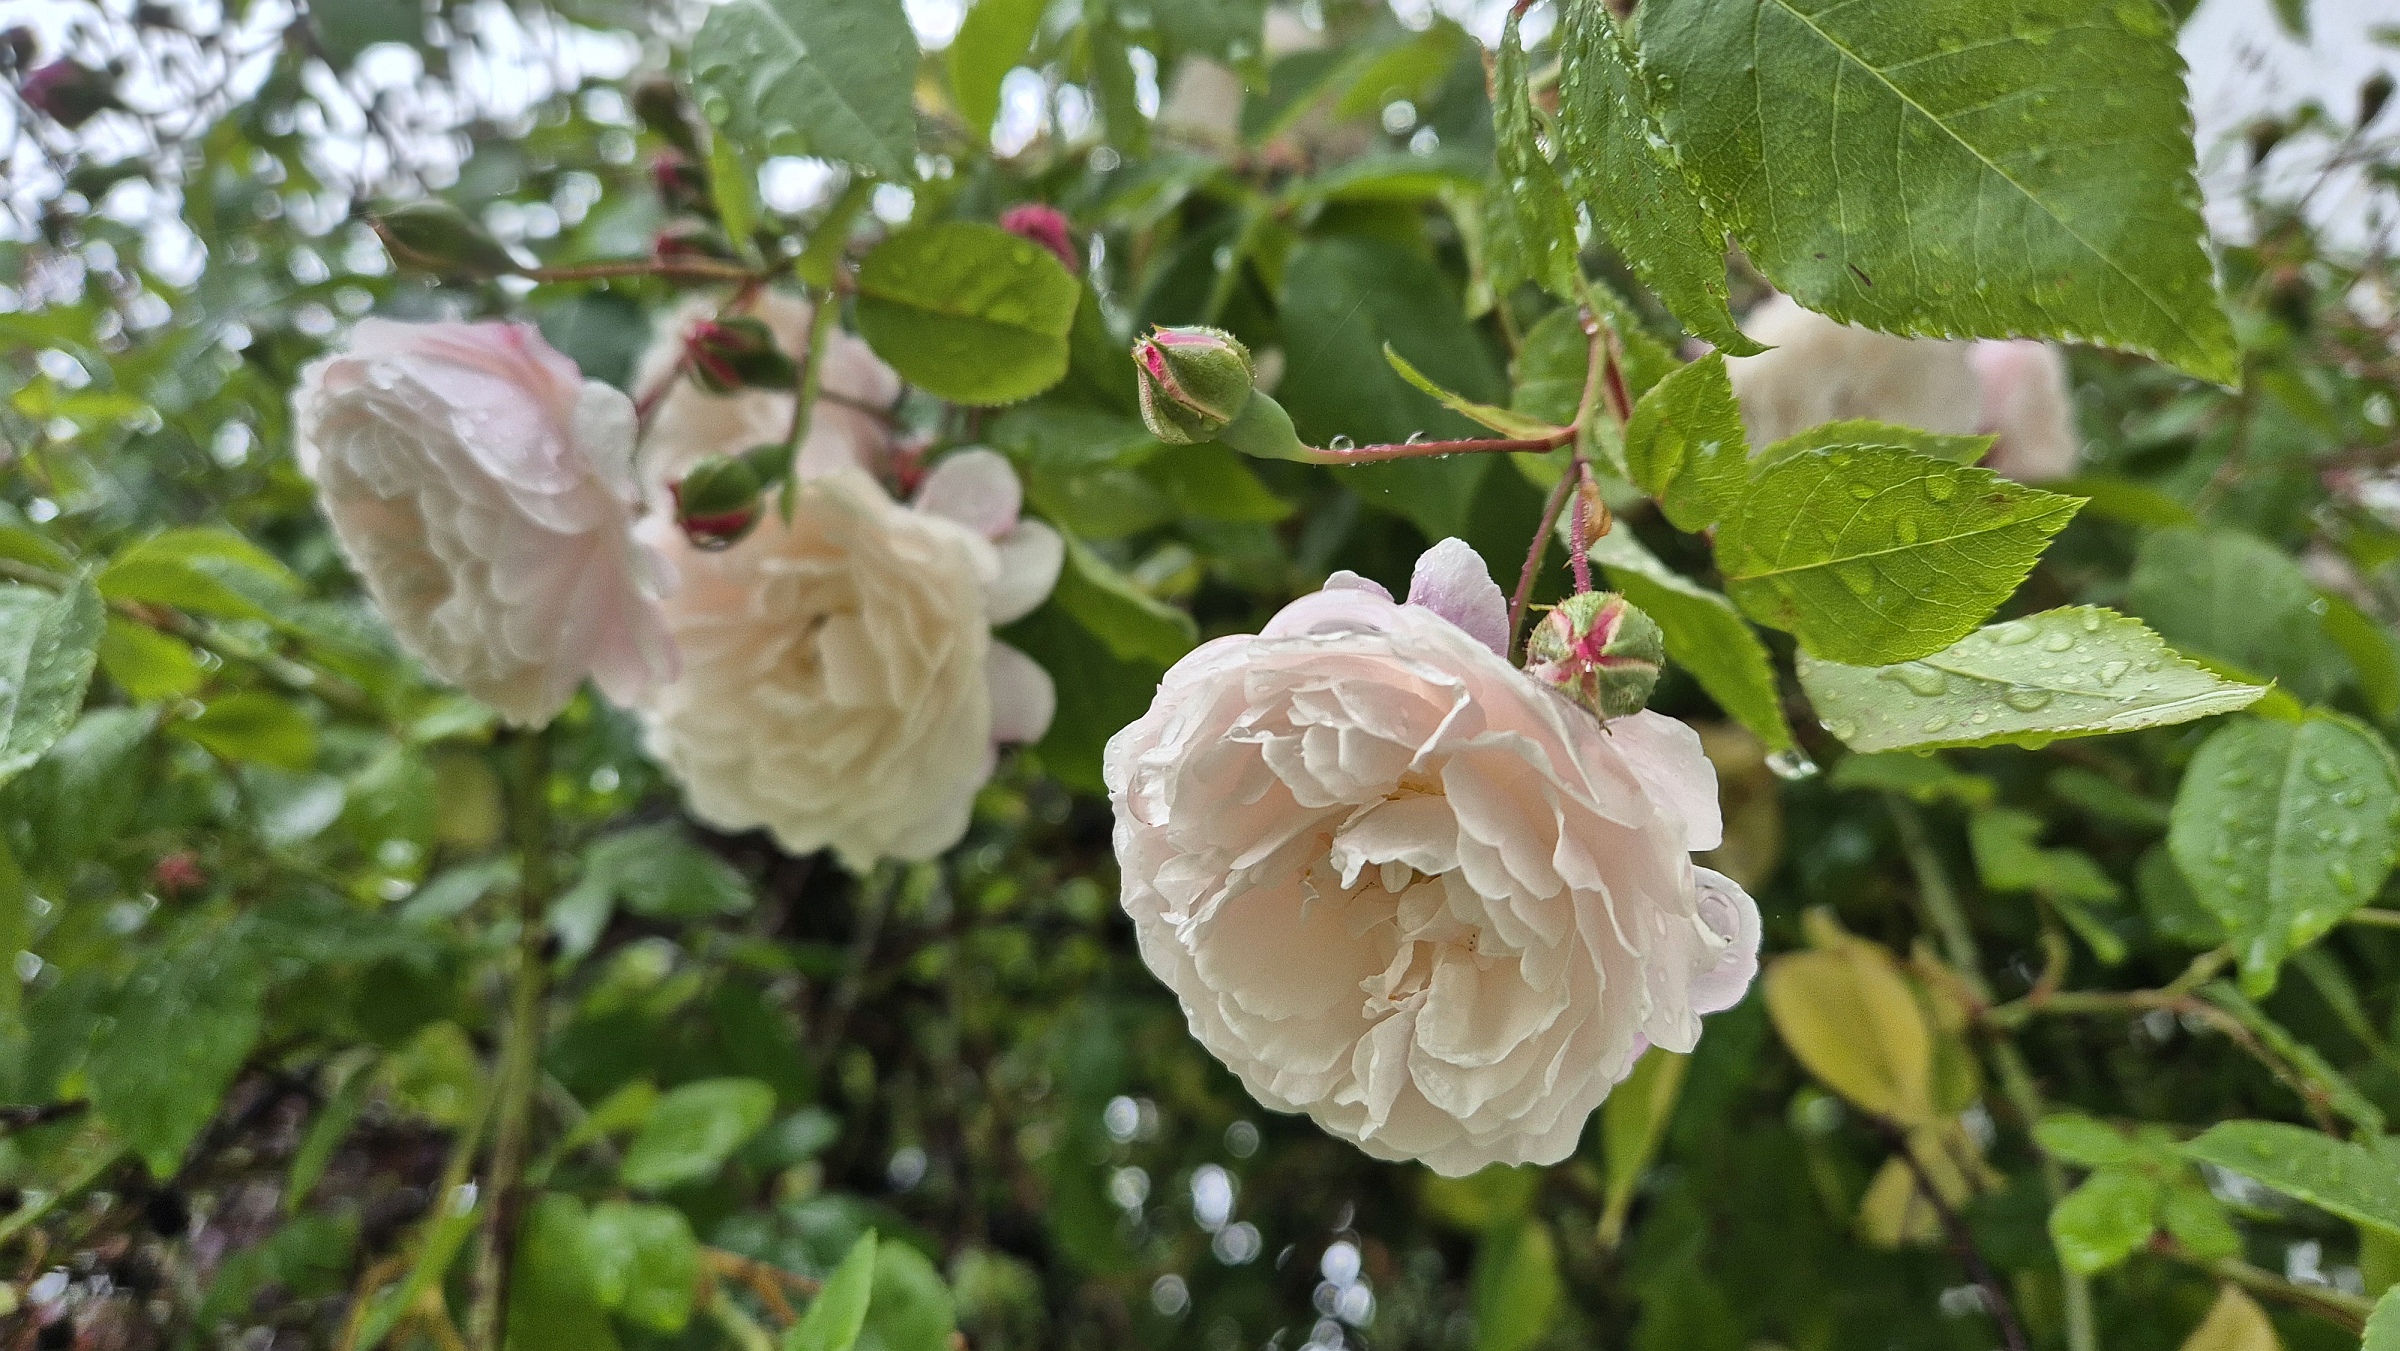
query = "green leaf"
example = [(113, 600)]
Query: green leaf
[(1868, 432), (149, 665), (1923, 779), (658, 872), (1504, 421), (1216, 483), (1135, 625), (2086, 1143), (179, 1028), (2102, 1222), (1685, 445), (1551, 366), (1633, 1122), (2371, 650), (2383, 1325), (209, 572), (694, 1130), (553, 1299), (254, 726), (992, 40), (2197, 1220), (733, 188), (645, 1263), (1528, 227), (2360, 1184), (911, 1309), (829, 78), (2332, 1089), (1953, 167), (1344, 299), (2078, 671), (2008, 858), (2227, 594), (1873, 555), (325, 1135), (2285, 828), (1705, 635), (968, 311), (1634, 182), (835, 1317), (1099, 692), (1517, 1287), (48, 643)]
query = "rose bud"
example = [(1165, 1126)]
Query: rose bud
[(1044, 225), (729, 355), (681, 184), (70, 93), (1195, 381), (1600, 651), (721, 500), (17, 47), (434, 236), (178, 872)]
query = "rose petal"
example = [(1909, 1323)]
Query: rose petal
[(1452, 581), (1679, 777), (1732, 916), (975, 488), (1030, 559), (1023, 697)]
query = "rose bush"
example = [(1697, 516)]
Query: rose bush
[(1402, 888), (840, 684), (484, 491)]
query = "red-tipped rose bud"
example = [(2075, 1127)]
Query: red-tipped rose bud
[(1044, 225), (434, 236), (1194, 382), (70, 93), (681, 184), (1600, 651), (738, 353), (178, 872), (720, 500)]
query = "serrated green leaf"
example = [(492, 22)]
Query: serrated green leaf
[(1705, 636), (254, 726), (1501, 420), (1134, 625), (1685, 445), (2078, 671), (1873, 555), (179, 1028), (2358, 1183), (1924, 779), (147, 664), (1633, 180), (2103, 1221), (1952, 168), (968, 311), (48, 644), (210, 572), (829, 78), (645, 1263), (1868, 432), (2284, 828), (839, 1312), (2081, 1141), (2383, 1325), (693, 1130), (2227, 594), (992, 40), (1552, 363), (1528, 227)]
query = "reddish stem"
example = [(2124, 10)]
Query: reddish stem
[(1410, 450)]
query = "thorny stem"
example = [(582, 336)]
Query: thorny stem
[(1600, 369), (1939, 900), (1411, 450), (681, 269), (810, 381), (520, 1047)]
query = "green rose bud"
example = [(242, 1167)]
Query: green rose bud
[(721, 499), (434, 236), (1194, 382), (1600, 651), (729, 355)]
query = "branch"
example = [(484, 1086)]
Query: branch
[(1962, 1243)]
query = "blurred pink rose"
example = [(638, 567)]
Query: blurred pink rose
[(1403, 889), (689, 422), (841, 686), (484, 490), (2026, 403)]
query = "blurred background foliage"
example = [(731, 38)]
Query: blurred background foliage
[(254, 903)]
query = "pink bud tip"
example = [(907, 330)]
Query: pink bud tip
[(1044, 225)]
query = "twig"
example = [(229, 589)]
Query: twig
[(1962, 1243), (874, 902), (1533, 557), (2347, 1310)]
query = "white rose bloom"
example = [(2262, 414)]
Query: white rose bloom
[(841, 687), (484, 491), (1399, 886)]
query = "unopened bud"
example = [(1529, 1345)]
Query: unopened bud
[(720, 500), (729, 355), (680, 183), (1194, 381), (178, 872), (661, 106), (69, 92), (1600, 651), (2372, 96), (1592, 510), (1044, 225), (689, 239), (437, 237)]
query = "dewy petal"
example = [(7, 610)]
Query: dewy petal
[(1676, 774), (1031, 557), (1023, 697), (976, 488), (1452, 581), (1732, 916)]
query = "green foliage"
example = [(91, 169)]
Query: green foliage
[(839, 1311), (1916, 555), (991, 39), (172, 1036), (1705, 635), (1932, 168), (2283, 828), (2233, 596), (48, 644), (811, 77), (1684, 445), (694, 1130), (1528, 226), (2356, 1182), (970, 312), (645, 1263), (2081, 671)]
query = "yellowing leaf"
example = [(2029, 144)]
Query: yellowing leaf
[(2234, 1323), (1849, 1015)]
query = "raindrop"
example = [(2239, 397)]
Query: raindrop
[(1937, 722), (2026, 699), (2013, 633), (1341, 443), (2057, 642), (1940, 487), (1919, 678), (1793, 764), (2111, 672)]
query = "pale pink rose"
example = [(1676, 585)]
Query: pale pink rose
[(844, 432), (1824, 371), (2027, 405), (484, 490), (841, 686), (1402, 888)]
